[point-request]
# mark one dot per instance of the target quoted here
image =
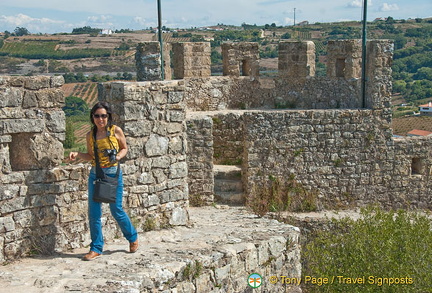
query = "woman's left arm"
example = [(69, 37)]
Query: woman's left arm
[(122, 143)]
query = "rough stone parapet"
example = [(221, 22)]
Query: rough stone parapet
[(379, 74), (296, 59), (341, 88), (240, 59), (228, 138), (191, 59), (148, 61), (217, 254), (344, 58)]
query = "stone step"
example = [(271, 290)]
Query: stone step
[(227, 172), (229, 185), (227, 197)]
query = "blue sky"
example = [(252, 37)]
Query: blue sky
[(55, 16)]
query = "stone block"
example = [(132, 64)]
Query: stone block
[(179, 216), (57, 81), (7, 224), (75, 212), (156, 145), (35, 151), (37, 83), (178, 170), (13, 205), (22, 126), (50, 98), (55, 121), (23, 219), (175, 97), (10, 97), (29, 100), (9, 191)]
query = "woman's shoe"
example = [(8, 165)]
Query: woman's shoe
[(133, 246), (91, 255)]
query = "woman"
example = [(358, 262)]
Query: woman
[(108, 137)]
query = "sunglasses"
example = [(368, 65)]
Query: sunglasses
[(103, 116)]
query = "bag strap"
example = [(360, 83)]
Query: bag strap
[(99, 172)]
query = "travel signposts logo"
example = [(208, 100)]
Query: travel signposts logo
[(254, 280)]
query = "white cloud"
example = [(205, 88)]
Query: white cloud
[(34, 25), (139, 20), (99, 18), (358, 3), (389, 7), (288, 21)]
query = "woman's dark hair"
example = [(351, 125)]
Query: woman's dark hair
[(105, 106)]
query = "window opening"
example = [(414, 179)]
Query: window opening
[(416, 166), (340, 67)]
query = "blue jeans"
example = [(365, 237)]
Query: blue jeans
[(95, 212)]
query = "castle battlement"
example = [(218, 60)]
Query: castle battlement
[(315, 129)]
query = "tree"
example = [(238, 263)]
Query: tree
[(399, 42), (70, 136), (286, 36), (21, 31), (86, 30), (390, 20), (423, 73), (75, 106)]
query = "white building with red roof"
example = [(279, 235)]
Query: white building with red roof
[(426, 109)]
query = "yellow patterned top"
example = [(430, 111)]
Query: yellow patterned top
[(107, 143)]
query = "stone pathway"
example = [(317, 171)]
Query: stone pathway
[(162, 258)]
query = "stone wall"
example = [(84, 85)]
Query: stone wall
[(43, 205), (228, 138), (200, 158), (347, 156), (344, 158), (38, 199), (153, 115)]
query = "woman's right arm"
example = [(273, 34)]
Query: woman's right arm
[(84, 156)]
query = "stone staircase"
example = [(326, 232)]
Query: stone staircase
[(228, 186)]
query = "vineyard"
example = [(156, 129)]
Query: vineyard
[(302, 35), (403, 125), (50, 50), (320, 46), (85, 90)]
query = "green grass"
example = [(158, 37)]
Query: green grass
[(380, 248)]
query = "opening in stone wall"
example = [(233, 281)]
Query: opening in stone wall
[(245, 68), (417, 166), (340, 67), (21, 158)]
